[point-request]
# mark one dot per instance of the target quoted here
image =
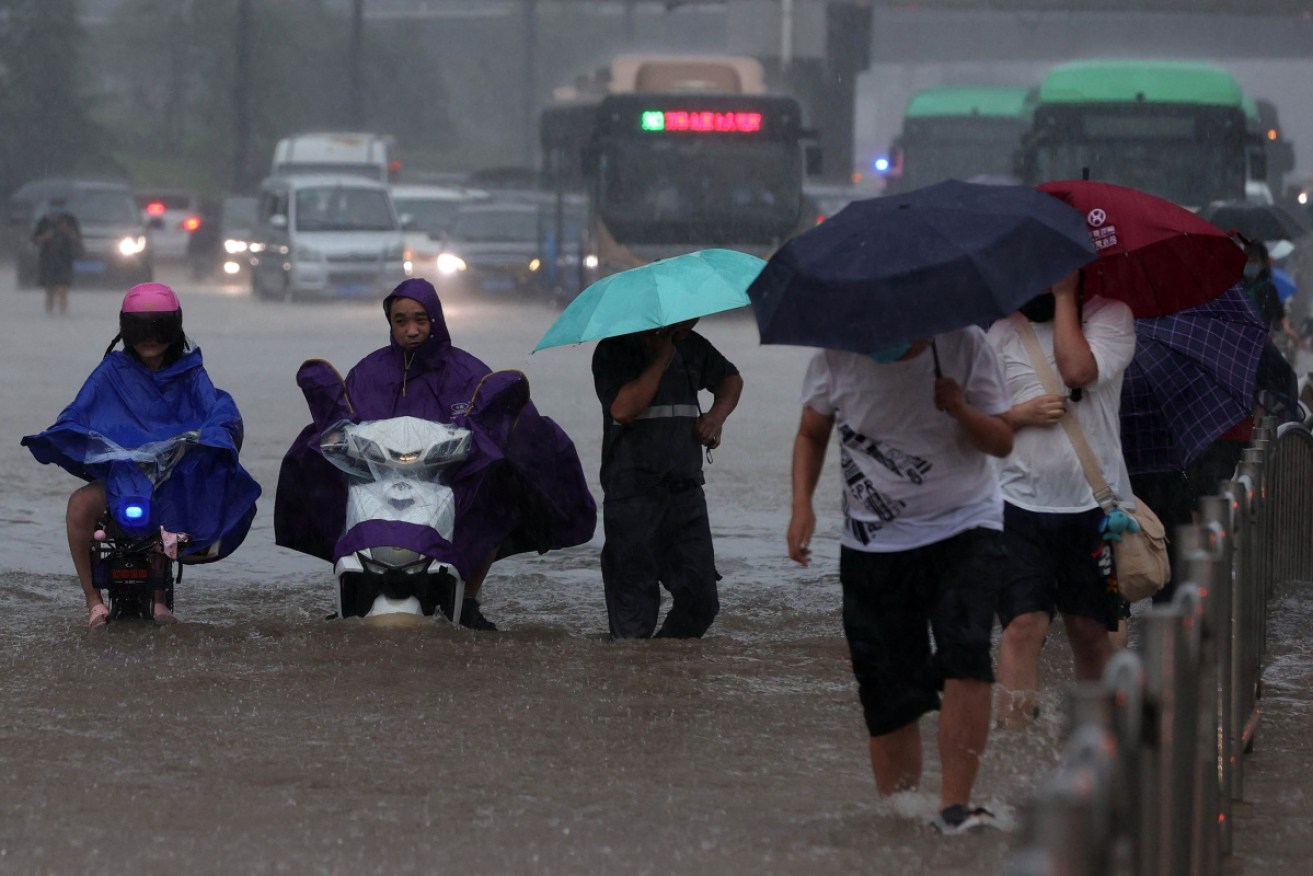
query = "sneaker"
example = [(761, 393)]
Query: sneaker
[(472, 619), (958, 819)]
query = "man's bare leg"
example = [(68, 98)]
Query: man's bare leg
[(896, 759), (1090, 646), (963, 732), (1018, 668)]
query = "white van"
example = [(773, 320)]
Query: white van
[(344, 153), (325, 237)]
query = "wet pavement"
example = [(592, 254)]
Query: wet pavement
[(257, 737)]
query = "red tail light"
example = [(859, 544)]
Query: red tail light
[(155, 208), (191, 223)]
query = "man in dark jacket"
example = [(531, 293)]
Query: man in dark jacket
[(654, 511)]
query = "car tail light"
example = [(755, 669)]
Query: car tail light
[(155, 208), (191, 223)]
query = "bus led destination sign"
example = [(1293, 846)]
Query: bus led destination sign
[(701, 121)]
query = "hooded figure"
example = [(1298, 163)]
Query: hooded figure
[(521, 489)]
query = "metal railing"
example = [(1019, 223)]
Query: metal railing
[(1154, 756)]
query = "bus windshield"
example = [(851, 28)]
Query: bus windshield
[(710, 190), (958, 150), (1173, 156)]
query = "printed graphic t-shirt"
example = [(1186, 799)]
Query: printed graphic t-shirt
[(911, 475)]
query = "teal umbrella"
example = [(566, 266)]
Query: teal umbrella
[(658, 294)]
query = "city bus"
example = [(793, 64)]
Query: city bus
[(710, 161), (1176, 129), (958, 133)]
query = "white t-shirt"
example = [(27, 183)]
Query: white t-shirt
[(911, 475), (1043, 472)]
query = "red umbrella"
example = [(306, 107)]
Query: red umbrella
[(1156, 256)]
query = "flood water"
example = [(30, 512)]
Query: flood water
[(258, 737)]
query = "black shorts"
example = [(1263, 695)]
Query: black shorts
[(1057, 562), (891, 604)]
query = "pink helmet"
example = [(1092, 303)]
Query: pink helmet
[(150, 298)]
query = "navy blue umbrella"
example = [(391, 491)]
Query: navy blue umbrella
[(886, 270), (1192, 378)]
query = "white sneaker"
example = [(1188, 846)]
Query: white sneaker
[(958, 819)]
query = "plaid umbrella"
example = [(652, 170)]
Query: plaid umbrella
[(1192, 378)]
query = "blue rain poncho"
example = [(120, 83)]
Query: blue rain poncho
[(124, 406)]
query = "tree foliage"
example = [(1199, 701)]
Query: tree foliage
[(45, 126)]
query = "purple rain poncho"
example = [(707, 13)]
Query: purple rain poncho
[(521, 489), (208, 496)]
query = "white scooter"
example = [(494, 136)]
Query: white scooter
[(397, 472)]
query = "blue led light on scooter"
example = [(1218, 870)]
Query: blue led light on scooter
[(133, 514)]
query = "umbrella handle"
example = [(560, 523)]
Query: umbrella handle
[(934, 351)]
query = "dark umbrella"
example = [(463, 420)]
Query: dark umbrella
[(886, 270), (1255, 221), (1155, 256), (1192, 378)]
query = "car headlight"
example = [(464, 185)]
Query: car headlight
[(534, 264), (449, 264), (130, 246), (233, 247), (590, 261)]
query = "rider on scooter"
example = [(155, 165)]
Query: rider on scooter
[(540, 504), (155, 389)]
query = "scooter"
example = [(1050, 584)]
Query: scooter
[(132, 558), (398, 471)]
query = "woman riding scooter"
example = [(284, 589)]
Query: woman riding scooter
[(154, 393)]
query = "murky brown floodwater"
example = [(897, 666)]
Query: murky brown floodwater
[(256, 737)]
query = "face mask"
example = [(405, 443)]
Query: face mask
[(1040, 308), (892, 353)]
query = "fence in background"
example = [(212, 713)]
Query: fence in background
[(1154, 758)]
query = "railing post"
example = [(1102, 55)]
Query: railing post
[(1215, 521), (1168, 680)]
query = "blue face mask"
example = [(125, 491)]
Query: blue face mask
[(892, 353)]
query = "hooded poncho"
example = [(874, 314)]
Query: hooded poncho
[(522, 488), (208, 495)]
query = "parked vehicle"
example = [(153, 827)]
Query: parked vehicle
[(325, 236), (343, 153), (115, 247), (172, 216)]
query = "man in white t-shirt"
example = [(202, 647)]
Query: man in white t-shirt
[(922, 544), (1057, 558)]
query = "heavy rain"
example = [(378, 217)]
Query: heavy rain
[(460, 141)]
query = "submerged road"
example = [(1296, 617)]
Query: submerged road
[(257, 737)]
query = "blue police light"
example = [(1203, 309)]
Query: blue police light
[(881, 164)]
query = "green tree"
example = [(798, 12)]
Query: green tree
[(170, 72), (45, 126)]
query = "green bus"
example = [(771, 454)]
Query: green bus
[(960, 133), (1181, 130)]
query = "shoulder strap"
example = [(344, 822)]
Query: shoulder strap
[(1102, 492)]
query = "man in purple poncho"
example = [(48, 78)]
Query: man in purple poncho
[(521, 489)]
